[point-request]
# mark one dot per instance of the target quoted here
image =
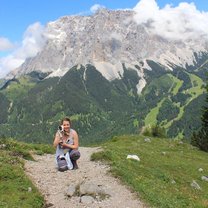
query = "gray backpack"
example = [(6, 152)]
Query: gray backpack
[(62, 163)]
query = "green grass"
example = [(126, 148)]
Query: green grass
[(151, 117), (164, 82), (195, 91), (179, 116), (14, 185), (177, 83), (161, 179), (15, 89)]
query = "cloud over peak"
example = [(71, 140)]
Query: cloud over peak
[(181, 22), (96, 7), (32, 43)]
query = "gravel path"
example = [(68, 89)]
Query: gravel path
[(54, 184)]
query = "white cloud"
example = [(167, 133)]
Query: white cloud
[(32, 43), (96, 7), (181, 22), (5, 44)]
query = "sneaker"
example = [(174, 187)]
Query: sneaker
[(75, 166)]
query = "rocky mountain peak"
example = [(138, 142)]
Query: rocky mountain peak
[(107, 40)]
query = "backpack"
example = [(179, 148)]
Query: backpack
[(62, 163)]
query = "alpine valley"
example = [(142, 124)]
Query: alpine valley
[(111, 76)]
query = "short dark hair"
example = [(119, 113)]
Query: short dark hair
[(66, 119)]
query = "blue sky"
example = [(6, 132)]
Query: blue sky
[(17, 16)]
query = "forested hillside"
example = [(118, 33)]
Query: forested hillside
[(99, 108)]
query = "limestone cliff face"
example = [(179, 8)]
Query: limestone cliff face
[(107, 40)]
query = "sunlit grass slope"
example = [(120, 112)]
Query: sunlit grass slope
[(16, 190), (165, 172), (174, 84), (16, 89), (169, 82)]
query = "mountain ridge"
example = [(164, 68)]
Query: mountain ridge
[(100, 108), (107, 87), (107, 40)]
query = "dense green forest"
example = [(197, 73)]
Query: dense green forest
[(99, 108)]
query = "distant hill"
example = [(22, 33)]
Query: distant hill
[(100, 108), (110, 76)]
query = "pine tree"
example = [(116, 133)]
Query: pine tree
[(205, 113), (200, 139)]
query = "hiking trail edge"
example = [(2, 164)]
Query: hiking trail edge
[(104, 190)]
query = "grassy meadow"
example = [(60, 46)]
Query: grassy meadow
[(173, 84), (165, 172), (162, 178), (16, 190)]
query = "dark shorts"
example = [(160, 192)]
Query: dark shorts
[(74, 154)]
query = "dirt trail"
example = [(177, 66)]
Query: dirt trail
[(54, 184)]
